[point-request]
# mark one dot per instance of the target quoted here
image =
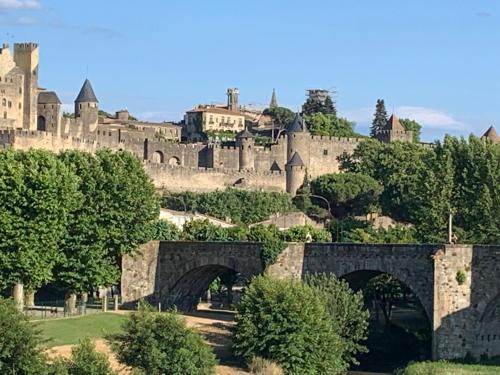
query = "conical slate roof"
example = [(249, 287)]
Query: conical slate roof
[(274, 102), (492, 134), (297, 125), (86, 94), (394, 124), (244, 134), (295, 161)]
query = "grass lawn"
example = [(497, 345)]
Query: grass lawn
[(70, 330), (446, 368)]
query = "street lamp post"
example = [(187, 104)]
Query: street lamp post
[(320, 197)]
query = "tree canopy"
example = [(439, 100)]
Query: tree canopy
[(329, 125), (413, 126)]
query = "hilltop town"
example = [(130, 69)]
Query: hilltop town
[(177, 156)]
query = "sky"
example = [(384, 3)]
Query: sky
[(437, 62)]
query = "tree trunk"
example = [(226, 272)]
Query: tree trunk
[(85, 297), (18, 295), (29, 298), (71, 303)]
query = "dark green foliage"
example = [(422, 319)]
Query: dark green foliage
[(164, 230), (271, 238), (312, 106), (412, 125), (303, 233), (37, 192), (242, 207), (386, 291), (281, 116), (348, 193), (379, 118), (286, 321), (113, 217), (394, 234), (19, 343), (461, 277), (85, 360), (422, 185), (204, 230), (446, 368), (160, 343), (330, 125), (347, 312)]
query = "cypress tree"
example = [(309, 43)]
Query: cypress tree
[(379, 118)]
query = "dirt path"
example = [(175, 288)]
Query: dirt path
[(215, 327)]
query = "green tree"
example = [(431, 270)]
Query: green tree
[(347, 313), (379, 118), (20, 343), (314, 105), (160, 343), (203, 230), (272, 242), (329, 125), (413, 126), (393, 234), (286, 321), (85, 360), (281, 116), (303, 233), (37, 193), (348, 193)]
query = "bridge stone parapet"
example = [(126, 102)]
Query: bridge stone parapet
[(464, 315)]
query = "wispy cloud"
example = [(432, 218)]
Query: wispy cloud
[(19, 4), (102, 31), (25, 20), (483, 14), (429, 117)]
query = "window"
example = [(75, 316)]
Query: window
[(20, 90), (20, 105), (4, 102), (10, 104), (5, 115), (325, 152)]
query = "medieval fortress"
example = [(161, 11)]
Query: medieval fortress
[(31, 117)]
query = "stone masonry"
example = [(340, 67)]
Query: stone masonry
[(465, 317)]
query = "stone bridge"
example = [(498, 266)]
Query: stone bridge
[(464, 317)]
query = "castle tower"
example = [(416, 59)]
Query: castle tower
[(233, 100), (298, 139), (86, 108), (295, 173), (274, 102), (491, 134), (245, 143), (26, 58), (394, 131)]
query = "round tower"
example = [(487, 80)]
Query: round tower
[(295, 174), (298, 139), (245, 144), (87, 108)]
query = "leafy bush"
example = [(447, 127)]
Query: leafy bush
[(19, 343), (300, 233), (160, 343), (204, 230), (461, 277), (261, 366), (85, 360), (285, 321), (164, 230), (393, 234), (347, 313), (242, 207)]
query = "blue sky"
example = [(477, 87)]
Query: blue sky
[(435, 61)]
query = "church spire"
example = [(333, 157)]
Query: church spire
[(274, 102)]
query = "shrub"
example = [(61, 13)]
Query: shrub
[(461, 277), (272, 244), (347, 313), (164, 230), (261, 366), (85, 360), (285, 321), (160, 343), (19, 343), (300, 233)]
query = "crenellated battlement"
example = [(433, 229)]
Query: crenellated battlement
[(25, 47)]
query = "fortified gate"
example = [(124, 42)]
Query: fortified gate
[(464, 316)]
